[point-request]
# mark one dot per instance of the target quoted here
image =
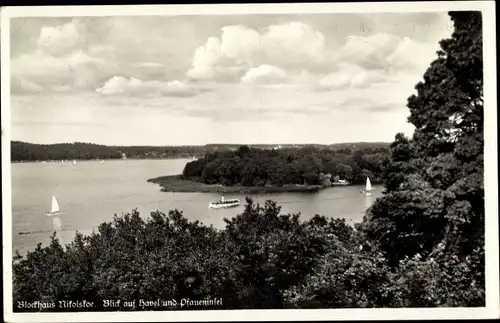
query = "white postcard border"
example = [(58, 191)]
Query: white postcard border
[(490, 159)]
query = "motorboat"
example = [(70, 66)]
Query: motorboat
[(222, 203)]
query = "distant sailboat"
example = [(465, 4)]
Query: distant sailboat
[(54, 210), (74, 161), (368, 188)]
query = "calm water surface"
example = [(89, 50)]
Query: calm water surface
[(91, 192)]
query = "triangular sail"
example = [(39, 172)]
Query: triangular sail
[(368, 185), (55, 205)]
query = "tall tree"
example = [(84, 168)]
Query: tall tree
[(449, 103), (443, 199), (448, 115)]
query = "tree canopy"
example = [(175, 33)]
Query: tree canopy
[(313, 166), (435, 189)]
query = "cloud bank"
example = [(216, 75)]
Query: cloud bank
[(287, 65), (134, 87)]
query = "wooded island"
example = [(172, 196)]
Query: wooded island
[(252, 170)]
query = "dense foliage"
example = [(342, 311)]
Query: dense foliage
[(420, 245), (424, 238), (259, 254), (312, 166), (23, 151), (435, 191)]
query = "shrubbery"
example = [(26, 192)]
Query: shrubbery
[(260, 254), (262, 259)]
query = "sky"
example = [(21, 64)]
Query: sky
[(194, 80)]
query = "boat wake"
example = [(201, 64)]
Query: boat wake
[(35, 232)]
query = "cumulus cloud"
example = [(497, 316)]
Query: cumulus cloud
[(351, 75), (239, 52), (83, 54), (294, 45), (211, 62), (386, 51), (367, 61), (414, 54), (134, 87), (264, 74), (77, 70), (63, 60), (204, 60), (60, 40), (239, 42), (72, 56)]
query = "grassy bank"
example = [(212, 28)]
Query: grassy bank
[(175, 183)]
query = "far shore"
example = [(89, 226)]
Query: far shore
[(58, 161), (175, 183)]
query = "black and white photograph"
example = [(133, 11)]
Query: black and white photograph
[(271, 162)]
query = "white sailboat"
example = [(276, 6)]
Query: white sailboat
[(54, 210), (74, 161), (368, 188)]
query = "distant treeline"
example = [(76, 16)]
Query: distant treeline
[(23, 151), (310, 165)]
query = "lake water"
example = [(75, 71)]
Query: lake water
[(91, 192)]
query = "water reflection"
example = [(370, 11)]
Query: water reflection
[(368, 201), (56, 223)]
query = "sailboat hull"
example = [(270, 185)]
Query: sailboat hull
[(53, 213)]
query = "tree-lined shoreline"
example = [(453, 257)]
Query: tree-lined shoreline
[(25, 151), (177, 183), (252, 170)]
